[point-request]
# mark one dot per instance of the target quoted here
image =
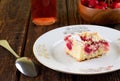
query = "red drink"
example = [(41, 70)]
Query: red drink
[(43, 12)]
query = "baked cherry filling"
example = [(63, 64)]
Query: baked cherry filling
[(90, 45), (68, 42), (69, 45), (94, 46), (67, 37), (84, 38)]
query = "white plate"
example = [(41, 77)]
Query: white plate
[(49, 51)]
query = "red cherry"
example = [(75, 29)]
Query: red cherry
[(104, 42), (87, 49), (112, 5), (85, 2), (83, 38), (101, 5), (117, 1), (69, 45), (92, 3), (106, 48), (67, 37), (117, 5)]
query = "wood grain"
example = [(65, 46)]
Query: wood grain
[(16, 27), (14, 16)]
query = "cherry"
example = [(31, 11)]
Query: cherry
[(117, 1), (69, 45), (112, 5), (117, 5), (87, 49), (104, 42), (67, 37), (101, 5), (84, 38), (85, 2), (93, 3)]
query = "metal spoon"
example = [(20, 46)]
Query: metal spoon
[(24, 64)]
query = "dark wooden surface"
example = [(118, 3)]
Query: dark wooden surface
[(21, 33)]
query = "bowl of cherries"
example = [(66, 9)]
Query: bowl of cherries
[(101, 12)]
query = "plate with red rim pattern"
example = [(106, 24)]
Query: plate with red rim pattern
[(49, 51)]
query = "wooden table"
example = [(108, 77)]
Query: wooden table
[(21, 33)]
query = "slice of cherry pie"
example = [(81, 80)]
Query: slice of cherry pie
[(85, 45)]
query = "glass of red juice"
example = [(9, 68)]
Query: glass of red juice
[(44, 12)]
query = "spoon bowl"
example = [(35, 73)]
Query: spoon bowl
[(24, 64)]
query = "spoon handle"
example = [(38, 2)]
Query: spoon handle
[(5, 44)]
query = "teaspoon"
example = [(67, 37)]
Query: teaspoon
[(24, 64)]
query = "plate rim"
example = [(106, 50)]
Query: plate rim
[(63, 71)]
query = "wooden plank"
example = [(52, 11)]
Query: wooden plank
[(114, 76), (13, 24), (72, 11), (16, 28), (62, 13)]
